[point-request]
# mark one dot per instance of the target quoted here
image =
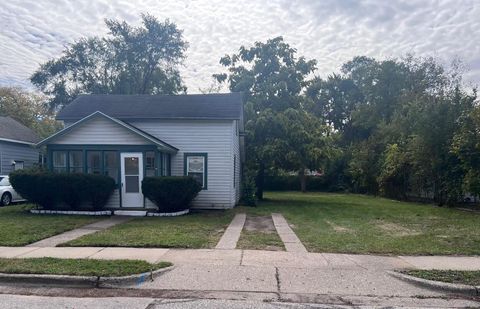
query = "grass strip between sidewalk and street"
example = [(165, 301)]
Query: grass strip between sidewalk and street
[(78, 267), (449, 276)]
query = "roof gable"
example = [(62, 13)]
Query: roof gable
[(13, 131), (84, 129), (127, 107)]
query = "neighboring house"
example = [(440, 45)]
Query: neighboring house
[(17, 146), (128, 137)]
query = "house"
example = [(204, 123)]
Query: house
[(17, 143), (129, 137)]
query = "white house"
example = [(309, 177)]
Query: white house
[(129, 137)]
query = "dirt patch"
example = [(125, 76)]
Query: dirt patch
[(397, 230), (259, 224), (338, 228)]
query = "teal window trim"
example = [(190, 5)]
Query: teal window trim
[(205, 167)]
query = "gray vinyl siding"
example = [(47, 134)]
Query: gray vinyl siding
[(19, 152), (237, 161), (100, 131), (213, 137)]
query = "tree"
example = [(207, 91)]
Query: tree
[(466, 146), (29, 109), (303, 143), (131, 60), (273, 80)]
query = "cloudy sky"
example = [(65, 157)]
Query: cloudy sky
[(331, 31)]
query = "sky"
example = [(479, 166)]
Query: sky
[(331, 31)]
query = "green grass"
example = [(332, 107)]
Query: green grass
[(78, 267), (18, 227), (450, 276), (257, 240), (196, 230), (350, 223)]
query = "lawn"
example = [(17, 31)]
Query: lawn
[(78, 267), (349, 223), (450, 276), (18, 227), (196, 230)]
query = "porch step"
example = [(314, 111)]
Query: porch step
[(133, 213)]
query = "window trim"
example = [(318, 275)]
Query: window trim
[(205, 167)]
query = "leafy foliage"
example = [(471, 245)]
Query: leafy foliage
[(51, 191), (278, 130), (131, 60), (29, 109), (171, 194)]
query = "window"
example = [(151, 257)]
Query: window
[(75, 163), (150, 163), (59, 161), (111, 164), (196, 167), (18, 165), (94, 162)]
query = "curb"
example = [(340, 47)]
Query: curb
[(139, 279), (83, 281), (464, 289)]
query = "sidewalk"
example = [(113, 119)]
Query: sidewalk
[(271, 275), (258, 258)]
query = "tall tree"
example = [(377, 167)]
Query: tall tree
[(29, 109), (130, 60), (273, 80)]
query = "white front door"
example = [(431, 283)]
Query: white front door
[(132, 176)]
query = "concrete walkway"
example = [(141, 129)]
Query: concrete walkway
[(232, 233), (79, 232), (287, 235), (274, 275), (255, 258)]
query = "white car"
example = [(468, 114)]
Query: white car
[(7, 194)]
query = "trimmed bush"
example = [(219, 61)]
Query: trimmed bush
[(54, 191), (171, 194), (37, 186), (99, 188)]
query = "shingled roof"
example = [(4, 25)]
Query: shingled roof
[(13, 131), (126, 107)]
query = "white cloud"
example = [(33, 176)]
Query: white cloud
[(331, 31)]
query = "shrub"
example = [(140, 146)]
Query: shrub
[(292, 183), (98, 190), (72, 189), (37, 186), (50, 190), (171, 194)]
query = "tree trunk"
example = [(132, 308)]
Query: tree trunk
[(259, 180), (303, 180)]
